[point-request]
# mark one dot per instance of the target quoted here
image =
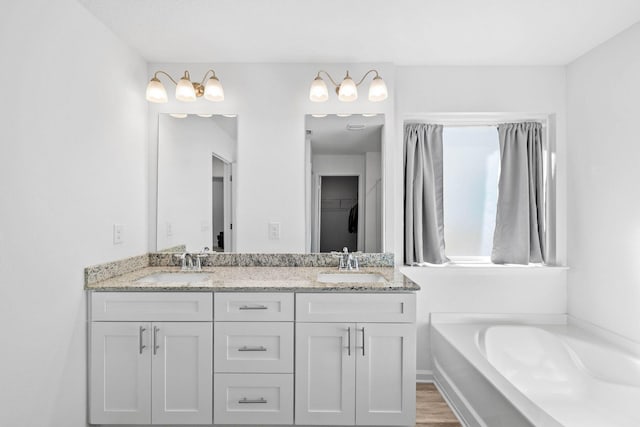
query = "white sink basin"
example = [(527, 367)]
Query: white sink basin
[(177, 277), (351, 278)]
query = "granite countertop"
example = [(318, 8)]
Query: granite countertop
[(257, 279)]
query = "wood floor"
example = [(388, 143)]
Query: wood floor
[(431, 409)]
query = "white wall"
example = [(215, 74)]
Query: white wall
[(73, 162), (271, 101), (603, 202), (424, 90), (184, 179)]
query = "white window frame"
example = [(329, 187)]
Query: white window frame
[(548, 122)]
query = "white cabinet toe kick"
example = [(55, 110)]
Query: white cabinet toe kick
[(251, 358)]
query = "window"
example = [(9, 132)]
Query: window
[(471, 168)]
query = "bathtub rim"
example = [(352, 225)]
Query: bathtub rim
[(474, 356)]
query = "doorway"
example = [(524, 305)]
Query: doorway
[(339, 213)]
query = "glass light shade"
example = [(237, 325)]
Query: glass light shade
[(156, 91), (378, 90), (348, 91), (185, 91), (213, 90), (318, 91), (178, 115), (205, 116)]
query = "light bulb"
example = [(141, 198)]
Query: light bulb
[(185, 91), (156, 91), (213, 90), (378, 90), (318, 91), (348, 91)]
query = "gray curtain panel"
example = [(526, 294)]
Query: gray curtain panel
[(519, 232), (423, 214)]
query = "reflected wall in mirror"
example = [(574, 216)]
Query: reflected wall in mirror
[(344, 165), (196, 160)]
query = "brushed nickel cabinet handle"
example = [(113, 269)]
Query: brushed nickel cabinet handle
[(349, 341), (253, 307), (363, 341), (142, 346), (259, 348), (245, 400), (155, 340)]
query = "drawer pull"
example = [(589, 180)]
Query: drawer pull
[(245, 400), (142, 346), (259, 348), (253, 307)]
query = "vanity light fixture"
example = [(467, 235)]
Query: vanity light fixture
[(318, 116), (347, 90), (343, 115), (186, 90), (231, 116), (369, 114), (205, 116), (178, 115)]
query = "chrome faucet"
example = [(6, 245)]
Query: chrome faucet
[(348, 261), (190, 262)]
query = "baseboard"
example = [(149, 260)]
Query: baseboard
[(424, 376)]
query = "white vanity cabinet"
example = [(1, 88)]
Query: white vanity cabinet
[(150, 371), (355, 359), (253, 358)]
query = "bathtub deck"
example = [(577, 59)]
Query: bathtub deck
[(431, 409)]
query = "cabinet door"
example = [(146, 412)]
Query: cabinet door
[(325, 374), (182, 375), (386, 377), (120, 373)]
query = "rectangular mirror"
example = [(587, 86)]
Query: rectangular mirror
[(196, 160), (344, 168)]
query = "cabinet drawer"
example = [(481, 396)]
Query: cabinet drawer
[(250, 306), (152, 306), (253, 347), (253, 399), (396, 308)]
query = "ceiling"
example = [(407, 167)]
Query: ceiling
[(404, 32), (329, 135)]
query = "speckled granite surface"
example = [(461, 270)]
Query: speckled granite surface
[(98, 273), (257, 279), (225, 259)]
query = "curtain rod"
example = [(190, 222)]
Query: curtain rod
[(475, 125)]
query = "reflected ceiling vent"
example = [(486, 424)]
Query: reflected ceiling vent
[(351, 126)]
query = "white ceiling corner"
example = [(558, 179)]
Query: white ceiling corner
[(403, 32)]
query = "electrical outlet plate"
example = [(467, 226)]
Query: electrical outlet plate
[(274, 231), (118, 232)]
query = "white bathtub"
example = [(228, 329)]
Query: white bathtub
[(508, 373)]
